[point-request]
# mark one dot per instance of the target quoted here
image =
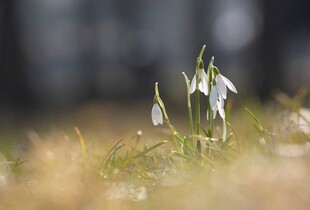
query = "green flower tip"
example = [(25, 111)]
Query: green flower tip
[(156, 89), (201, 65), (203, 48), (211, 62), (201, 52), (216, 70)]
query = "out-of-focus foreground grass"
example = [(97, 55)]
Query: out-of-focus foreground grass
[(49, 169)]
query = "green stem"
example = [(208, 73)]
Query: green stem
[(202, 51), (210, 120), (210, 111), (198, 63), (227, 117), (197, 114), (224, 130), (161, 104), (189, 107)]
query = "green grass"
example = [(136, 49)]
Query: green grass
[(104, 163)]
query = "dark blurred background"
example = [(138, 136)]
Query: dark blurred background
[(59, 54)]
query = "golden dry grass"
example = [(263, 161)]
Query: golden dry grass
[(55, 175)]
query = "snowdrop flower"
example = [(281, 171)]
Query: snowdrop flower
[(216, 100), (219, 92), (221, 84), (202, 85), (217, 105), (220, 108), (157, 115), (213, 96)]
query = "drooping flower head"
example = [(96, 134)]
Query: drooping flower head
[(222, 83), (202, 79), (202, 83), (157, 115), (219, 91), (219, 106)]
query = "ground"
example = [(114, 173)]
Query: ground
[(47, 167)]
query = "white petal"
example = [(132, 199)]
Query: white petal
[(200, 87), (220, 102), (157, 115), (193, 85), (214, 113), (221, 86), (220, 107), (222, 113), (229, 84), (204, 82), (213, 97)]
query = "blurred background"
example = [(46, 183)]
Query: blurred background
[(59, 54)]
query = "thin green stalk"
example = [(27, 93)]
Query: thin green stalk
[(161, 103), (210, 113), (224, 130), (199, 62), (210, 110), (226, 120), (189, 106), (202, 51), (197, 113), (197, 118)]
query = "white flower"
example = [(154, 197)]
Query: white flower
[(220, 108), (217, 102), (213, 96), (218, 105), (221, 84), (218, 93), (203, 84), (157, 115)]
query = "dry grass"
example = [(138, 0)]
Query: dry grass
[(56, 176)]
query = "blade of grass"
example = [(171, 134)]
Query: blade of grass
[(181, 155), (112, 153), (255, 119), (114, 146), (148, 150), (179, 137), (82, 143), (227, 142)]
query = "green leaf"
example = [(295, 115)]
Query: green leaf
[(227, 141), (112, 153), (260, 132), (179, 137), (255, 119), (186, 157), (148, 150)]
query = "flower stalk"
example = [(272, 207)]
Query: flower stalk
[(162, 106), (189, 106), (209, 108), (199, 67)]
